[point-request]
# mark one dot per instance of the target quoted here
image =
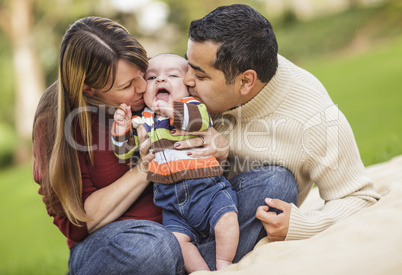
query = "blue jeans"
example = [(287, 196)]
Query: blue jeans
[(194, 206), (252, 187), (144, 247), (128, 247)]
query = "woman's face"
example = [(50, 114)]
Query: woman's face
[(129, 87)]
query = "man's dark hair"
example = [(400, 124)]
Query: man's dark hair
[(246, 38)]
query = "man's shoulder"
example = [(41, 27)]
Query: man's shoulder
[(301, 80)]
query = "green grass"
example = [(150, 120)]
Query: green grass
[(367, 89), (30, 243)]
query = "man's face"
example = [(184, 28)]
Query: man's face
[(206, 83)]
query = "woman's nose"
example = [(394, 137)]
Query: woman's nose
[(141, 87)]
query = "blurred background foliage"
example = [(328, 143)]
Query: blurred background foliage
[(353, 46)]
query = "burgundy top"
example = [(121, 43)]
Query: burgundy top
[(106, 170)]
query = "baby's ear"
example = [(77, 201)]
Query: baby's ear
[(87, 89)]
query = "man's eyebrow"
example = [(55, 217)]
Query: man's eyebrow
[(196, 68), (193, 66)]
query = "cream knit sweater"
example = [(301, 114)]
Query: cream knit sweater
[(292, 122)]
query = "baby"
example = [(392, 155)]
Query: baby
[(197, 200)]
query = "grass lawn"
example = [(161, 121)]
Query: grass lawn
[(30, 243), (367, 89)]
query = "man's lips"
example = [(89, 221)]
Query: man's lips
[(193, 93)]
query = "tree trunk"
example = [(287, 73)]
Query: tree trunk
[(29, 80)]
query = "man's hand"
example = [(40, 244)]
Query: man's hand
[(212, 141), (276, 225)]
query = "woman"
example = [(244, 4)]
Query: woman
[(117, 229)]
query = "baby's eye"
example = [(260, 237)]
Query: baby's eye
[(173, 75), (151, 78)]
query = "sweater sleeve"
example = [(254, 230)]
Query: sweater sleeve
[(334, 165), (125, 144), (190, 115)]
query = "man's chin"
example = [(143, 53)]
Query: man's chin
[(196, 97)]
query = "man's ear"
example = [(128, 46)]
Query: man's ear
[(247, 81), (87, 89)]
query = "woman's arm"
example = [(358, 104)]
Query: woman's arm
[(109, 203)]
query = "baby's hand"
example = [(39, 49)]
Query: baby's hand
[(162, 108), (122, 117)]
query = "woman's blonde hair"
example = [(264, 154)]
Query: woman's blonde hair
[(89, 53)]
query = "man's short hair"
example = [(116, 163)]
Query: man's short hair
[(246, 39)]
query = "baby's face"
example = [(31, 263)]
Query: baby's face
[(164, 78)]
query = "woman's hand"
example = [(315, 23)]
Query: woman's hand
[(212, 141), (276, 225)]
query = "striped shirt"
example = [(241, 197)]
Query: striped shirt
[(169, 165)]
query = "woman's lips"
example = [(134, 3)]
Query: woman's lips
[(140, 100)]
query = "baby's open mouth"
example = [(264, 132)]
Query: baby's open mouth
[(162, 94)]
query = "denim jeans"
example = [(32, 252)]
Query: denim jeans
[(145, 247), (252, 187), (194, 206), (128, 247)]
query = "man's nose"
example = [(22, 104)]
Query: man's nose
[(189, 79)]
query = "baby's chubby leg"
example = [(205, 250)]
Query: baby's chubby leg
[(227, 239), (193, 260)]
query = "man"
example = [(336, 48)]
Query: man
[(275, 113)]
